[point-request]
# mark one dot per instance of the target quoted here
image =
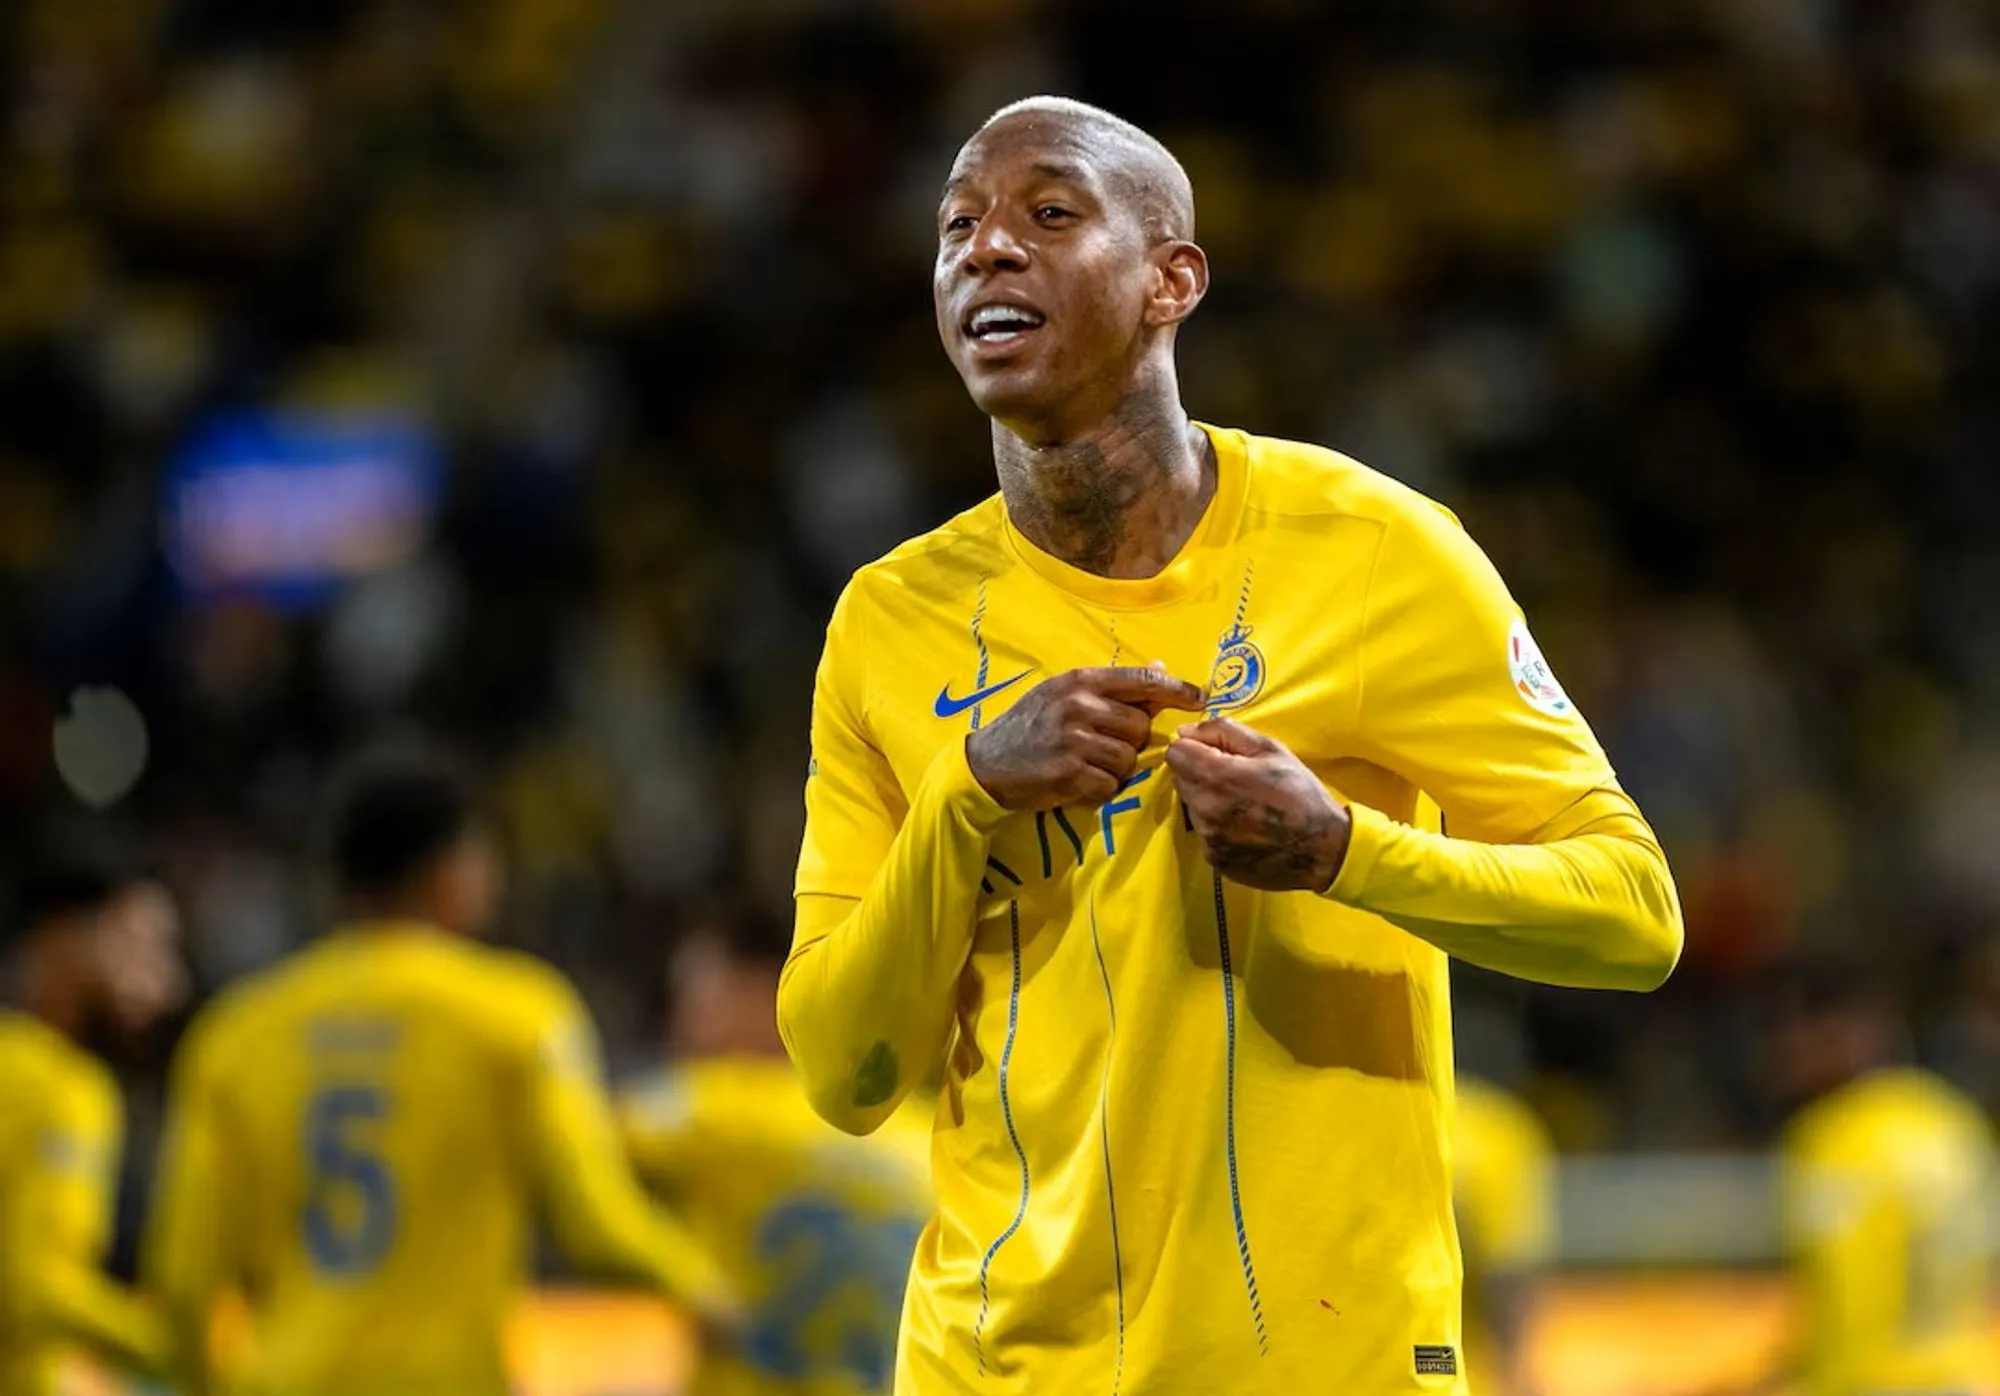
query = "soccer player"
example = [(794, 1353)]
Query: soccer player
[(92, 949), (358, 1137), (1888, 1177), (1504, 1198), (1185, 976), (814, 1228)]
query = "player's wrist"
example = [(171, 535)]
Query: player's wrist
[(1363, 845), (1331, 843), (953, 780)]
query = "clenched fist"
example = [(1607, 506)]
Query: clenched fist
[(1264, 819), (1074, 737)]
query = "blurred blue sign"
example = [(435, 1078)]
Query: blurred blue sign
[(288, 506)]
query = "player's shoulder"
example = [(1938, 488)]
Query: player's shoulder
[(1498, 1119), (715, 1091), (26, 1052), (38, 1062), (739, 1075), (506, 987), (238, 1010), (1299, 479), (950, 558), (1910, 1098), (1882, 1112), (1480, 1099)]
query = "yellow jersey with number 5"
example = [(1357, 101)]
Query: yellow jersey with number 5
[(814, 1228), (1889, 1196), (355, 1145)]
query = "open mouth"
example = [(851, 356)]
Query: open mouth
[(997, 325)]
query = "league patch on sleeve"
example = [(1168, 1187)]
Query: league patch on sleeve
[(64, 1152), (1533, 679)]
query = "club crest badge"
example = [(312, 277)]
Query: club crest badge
[(1238, 675), (1533, 679)]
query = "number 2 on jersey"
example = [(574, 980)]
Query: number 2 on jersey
[(349, 1216)]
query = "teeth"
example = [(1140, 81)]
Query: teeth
[(1003, 319)]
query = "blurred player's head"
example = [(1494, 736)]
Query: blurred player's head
[(723, 985), (1065, 265), (1833, 1020), (405, 842), (94, 942)]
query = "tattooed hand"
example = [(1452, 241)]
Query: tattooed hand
[(1072, 738), (1264, 819)]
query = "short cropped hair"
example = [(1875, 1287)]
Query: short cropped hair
[(66, 875), (1136, 160), (392, 813)]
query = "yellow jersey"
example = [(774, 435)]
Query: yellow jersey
[(1503, 1188), (1889, 1208), (61, 1136), (356, 1142), (1193, 1137), (813, 1228)]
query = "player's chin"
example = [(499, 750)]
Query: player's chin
[(1004, 390)]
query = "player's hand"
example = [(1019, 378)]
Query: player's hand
[(1264, 819), (720, 1322), (1074, 737)]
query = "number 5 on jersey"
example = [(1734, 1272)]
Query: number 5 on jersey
[(349, 1216)]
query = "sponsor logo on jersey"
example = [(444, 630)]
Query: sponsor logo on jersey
[(948, 706)]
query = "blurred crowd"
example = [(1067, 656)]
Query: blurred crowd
[(1683, 307)]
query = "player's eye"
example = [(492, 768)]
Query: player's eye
[(959, 223), (1052, 213)]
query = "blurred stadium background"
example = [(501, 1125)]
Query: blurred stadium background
[(536, 370)]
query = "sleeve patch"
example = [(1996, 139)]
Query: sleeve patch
[(1533, 679), (664, 1102)]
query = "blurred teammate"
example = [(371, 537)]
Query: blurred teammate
[(1187, 984), (1503, 1187), (1888, 1179), (91, 950), (814, 1228), (358, 1138)]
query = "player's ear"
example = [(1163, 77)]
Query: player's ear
[(1179, 282)]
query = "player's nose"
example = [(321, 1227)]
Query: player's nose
[(994, 246)]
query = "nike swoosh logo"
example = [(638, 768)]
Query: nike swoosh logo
[(948, 706)]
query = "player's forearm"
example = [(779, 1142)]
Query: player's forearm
[(76, 1302), (601, 1217), (1594, 909), (620, 1234), (866, 997), (184, 1261)]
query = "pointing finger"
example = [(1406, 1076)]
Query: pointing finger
[(1128, 724), (1153, 689)]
